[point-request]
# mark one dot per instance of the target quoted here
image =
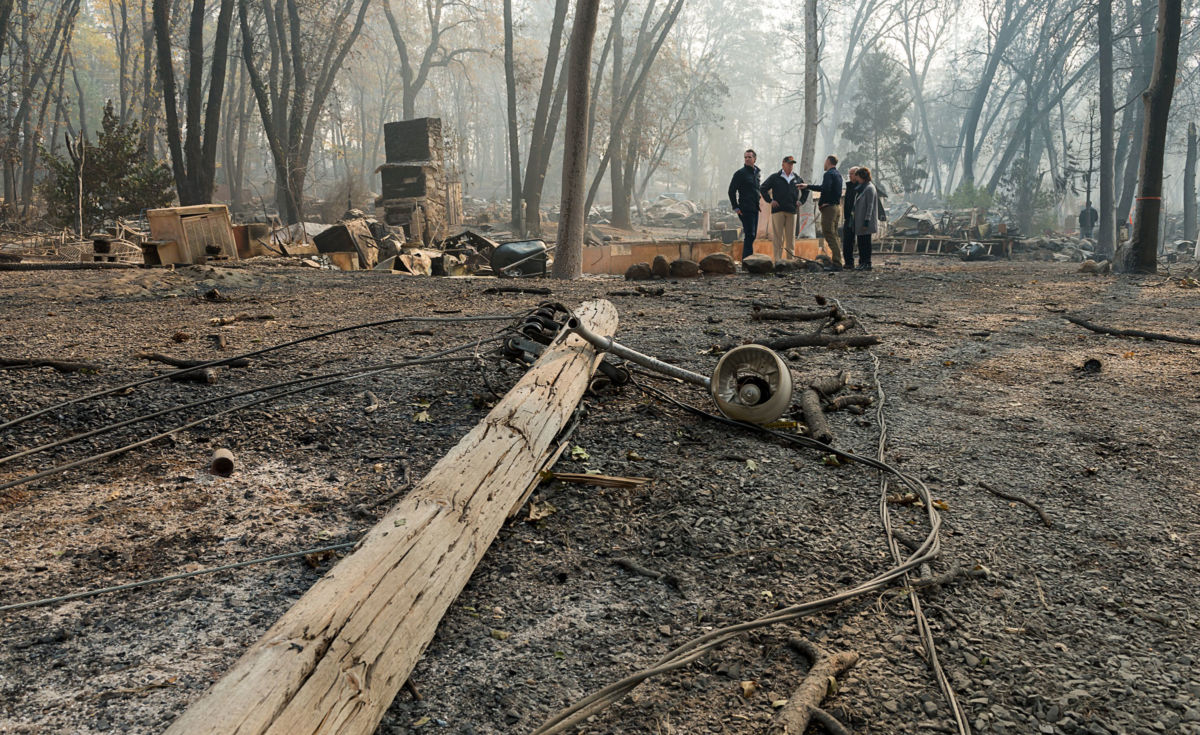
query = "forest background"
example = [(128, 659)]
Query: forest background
[(280, 104)]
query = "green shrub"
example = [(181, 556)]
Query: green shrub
[(118, 178)]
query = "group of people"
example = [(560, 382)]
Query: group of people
[(853, 203)]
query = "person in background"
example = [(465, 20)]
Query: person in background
[(830, 206), (784, 191), (848, 238), (1088, 217), (866, 216), (743, 197)]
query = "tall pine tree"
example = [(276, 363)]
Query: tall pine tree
[(878, 130)]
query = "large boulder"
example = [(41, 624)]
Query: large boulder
[(661, 268), (718, 264), (639, 272), (758, 264), (684, 268)]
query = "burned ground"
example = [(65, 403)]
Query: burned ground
[(1088, 626)]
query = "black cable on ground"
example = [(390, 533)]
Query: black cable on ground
[(170, 578), (206, 401), (923, 629), (254, 353), (697, 647), (197, 422)]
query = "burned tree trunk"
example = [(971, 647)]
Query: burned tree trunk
[(539, 157), (1189, 186), (811, 62), (1157, 99), (568, 257), (1106, 240), (312, 64), (1139, 81), (514, 146), (545, 124), (193, 159)]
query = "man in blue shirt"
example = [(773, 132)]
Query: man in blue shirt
[(830, 206)]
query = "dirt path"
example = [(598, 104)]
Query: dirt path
[(1088, 626)]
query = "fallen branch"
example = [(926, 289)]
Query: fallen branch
[(204, 375), (178, 362), (954, 574), (223, 320), (63, 366), (1018, 499), (837, 404), (641, 291), (789, 315), (820, 681), (818, 340), (518, 289), (905, 541), (818, 427), (597, 480), (1131, 332), (633, 567), (829, 385), (841, 325)]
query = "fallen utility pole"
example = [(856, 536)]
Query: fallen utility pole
[(335, 661)]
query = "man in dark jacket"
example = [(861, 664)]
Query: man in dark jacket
[(1088, 217), (848, 237), (743, 197), (830, 205), (784, 191)]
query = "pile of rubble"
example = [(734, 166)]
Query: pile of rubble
[(359, 242), (964, 224)]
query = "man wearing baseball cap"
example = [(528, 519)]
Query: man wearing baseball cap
[(785, 192)]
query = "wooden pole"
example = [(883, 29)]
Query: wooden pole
[(335, 661)]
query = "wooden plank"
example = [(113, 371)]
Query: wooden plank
[(335, 661)]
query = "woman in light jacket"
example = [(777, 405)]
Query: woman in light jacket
[(866, 216)]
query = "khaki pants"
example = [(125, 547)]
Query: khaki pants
[(783, 234), (830, 217)]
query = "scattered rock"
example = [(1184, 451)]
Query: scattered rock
[(639, 272), (796, 265), (660, 267), (758, 265), (718, 264), (683, 268)]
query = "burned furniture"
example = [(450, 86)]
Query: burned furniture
[(200, 232)]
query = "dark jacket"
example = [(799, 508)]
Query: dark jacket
[(852, 188), (1088, 217), (743, 188), (789, 196), (830, 188)]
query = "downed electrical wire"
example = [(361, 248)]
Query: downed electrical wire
[(697, 647), (244, 355)]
